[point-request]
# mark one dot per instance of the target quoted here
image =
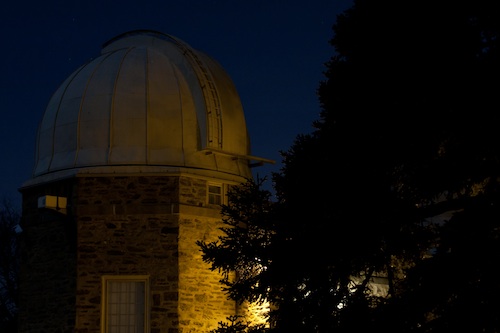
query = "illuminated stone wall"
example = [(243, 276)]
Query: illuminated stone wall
[(121, 226)]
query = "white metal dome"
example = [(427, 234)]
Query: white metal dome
[(148, 101)]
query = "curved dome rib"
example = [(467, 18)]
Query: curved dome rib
[(214, 126), (92, 71)]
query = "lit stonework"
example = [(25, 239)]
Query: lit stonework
[(134, 153)]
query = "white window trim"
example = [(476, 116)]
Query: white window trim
[(223, 195), (128, 278)]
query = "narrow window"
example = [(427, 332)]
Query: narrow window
[(214, 193), (124, 304)]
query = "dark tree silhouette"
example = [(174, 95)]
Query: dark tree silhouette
[(399, 178)]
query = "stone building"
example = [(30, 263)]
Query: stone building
[(134, 154)]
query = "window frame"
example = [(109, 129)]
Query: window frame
[(106, 279), (222, 195)]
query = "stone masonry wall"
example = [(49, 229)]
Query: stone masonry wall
[(148, 226), (134, 225), (202, 303)]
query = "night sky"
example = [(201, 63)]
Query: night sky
[(274, 50)]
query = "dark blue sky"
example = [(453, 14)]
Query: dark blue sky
[(274, 50)]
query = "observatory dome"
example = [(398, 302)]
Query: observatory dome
[(148, 102)]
